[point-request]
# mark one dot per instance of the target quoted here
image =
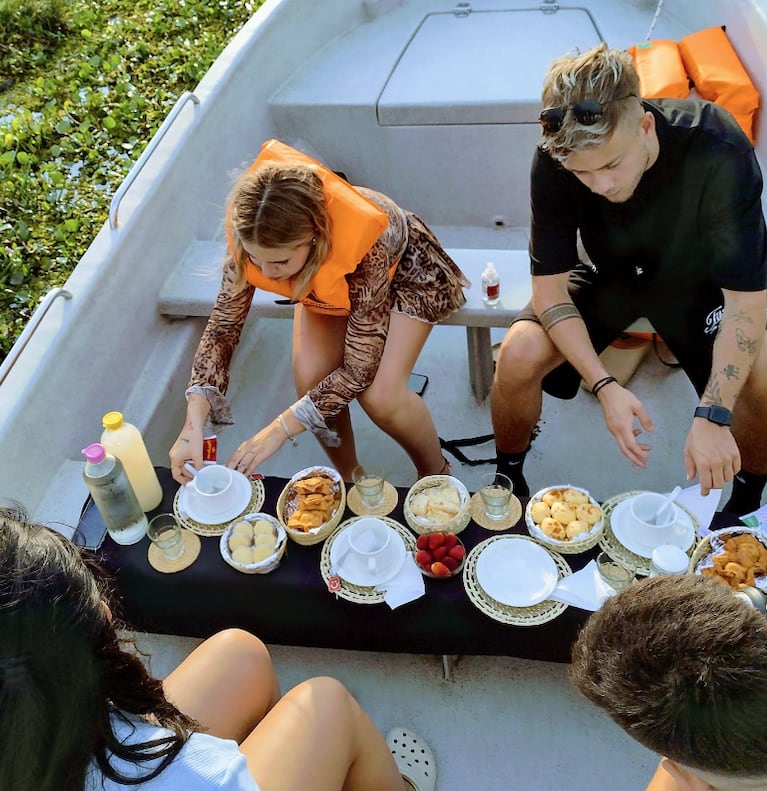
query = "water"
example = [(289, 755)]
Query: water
[(496, 501)]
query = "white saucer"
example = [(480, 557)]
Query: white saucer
[(516, 571), (352, 569), (188, 503), (682, 535)]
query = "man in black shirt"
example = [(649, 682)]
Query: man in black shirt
[(665, 197)]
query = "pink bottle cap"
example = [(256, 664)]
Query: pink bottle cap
[(94, 453)]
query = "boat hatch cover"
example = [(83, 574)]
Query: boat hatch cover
[(486, 67)]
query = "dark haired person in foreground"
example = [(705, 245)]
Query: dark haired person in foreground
[(78, 711), (680, 663), (665, 197)]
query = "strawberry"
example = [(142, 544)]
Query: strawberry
[(423, 558), (436, 540), (457, 552), (451, 562), (439, 553), (450, 540), (440, 569), (422, 542)]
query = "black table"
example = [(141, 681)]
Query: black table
[(292, 606)]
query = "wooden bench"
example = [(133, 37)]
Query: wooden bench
[(190, 290)]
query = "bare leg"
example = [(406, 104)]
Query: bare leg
[(227, 684), (318, 349), (525, 357), (318, 737), (748, 424), (398, 411)]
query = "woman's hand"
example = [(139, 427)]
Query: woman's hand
[(254, 451), (188, 444)]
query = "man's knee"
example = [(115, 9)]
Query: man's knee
[(526, 352)]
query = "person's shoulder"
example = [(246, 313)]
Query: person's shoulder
[(697, 120)]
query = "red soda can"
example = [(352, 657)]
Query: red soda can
[(209, 449)]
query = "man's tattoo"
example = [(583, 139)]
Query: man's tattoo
[(731, 371), (746, 343), (556, 313), (712, 394), (743, 316)]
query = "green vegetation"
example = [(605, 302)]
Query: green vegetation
[(84, 84)]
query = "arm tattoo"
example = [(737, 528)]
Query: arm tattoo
[(741, 315), (731, 372), (712, 394), (562, 311), (745, 343)]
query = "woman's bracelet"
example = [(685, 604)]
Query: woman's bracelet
[(602, 383), (285, 429)]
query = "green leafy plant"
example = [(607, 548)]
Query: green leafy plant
[(88, 83)]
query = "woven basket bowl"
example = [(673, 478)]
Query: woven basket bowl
[(317, 534), (704, 546), (571, 546), (454, 525), (263, 566)]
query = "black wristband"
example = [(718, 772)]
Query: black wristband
[(602, 383)]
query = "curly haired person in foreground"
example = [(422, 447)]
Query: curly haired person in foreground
[(680, 663), (79, 712)]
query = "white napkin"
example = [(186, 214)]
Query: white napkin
[(702, 508), (585, 589), (407, 585)]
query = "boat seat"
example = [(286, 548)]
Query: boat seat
[(190, 290)]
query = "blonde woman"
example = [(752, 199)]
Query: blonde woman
[(368, 279)]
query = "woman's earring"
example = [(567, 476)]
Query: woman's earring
[(314, 240)]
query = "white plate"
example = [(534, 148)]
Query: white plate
[(188, 504), (682, 535), (516, 571), (354, 572)]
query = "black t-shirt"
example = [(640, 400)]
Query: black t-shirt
[(695, 217)]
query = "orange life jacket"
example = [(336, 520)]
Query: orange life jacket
[(719, 76), (357, 225), (660, 69)]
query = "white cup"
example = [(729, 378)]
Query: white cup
[(224, 494), (370, 541), (642, 521)]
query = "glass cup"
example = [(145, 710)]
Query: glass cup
[(165, 533), (370, 484), (495, 490), (616, 576)]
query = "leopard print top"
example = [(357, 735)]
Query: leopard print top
[(427, 285)]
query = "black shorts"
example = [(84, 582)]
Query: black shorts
[(686, 319)]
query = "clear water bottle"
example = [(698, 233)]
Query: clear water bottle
[(124, 440), (491, 285), (113, 495)]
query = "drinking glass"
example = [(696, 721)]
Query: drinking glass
[(495, 490), (614, 574), (370, 484), (165, 533)]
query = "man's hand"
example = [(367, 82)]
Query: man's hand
[(622, 409), (710, 453)]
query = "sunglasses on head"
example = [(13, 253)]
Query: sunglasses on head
[(587, 112)]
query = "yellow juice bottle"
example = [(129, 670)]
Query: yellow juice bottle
[(124, 441)]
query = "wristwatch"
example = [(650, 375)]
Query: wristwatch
[(715, 414)]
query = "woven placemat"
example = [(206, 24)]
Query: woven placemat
[(477, 510), (516, 616), (254, 504), (192, 545), (358, 593), (620, 554), (390, 498)]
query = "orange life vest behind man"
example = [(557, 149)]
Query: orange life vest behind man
[(357, 224)]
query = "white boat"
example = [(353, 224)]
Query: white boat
[(436, 104)]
